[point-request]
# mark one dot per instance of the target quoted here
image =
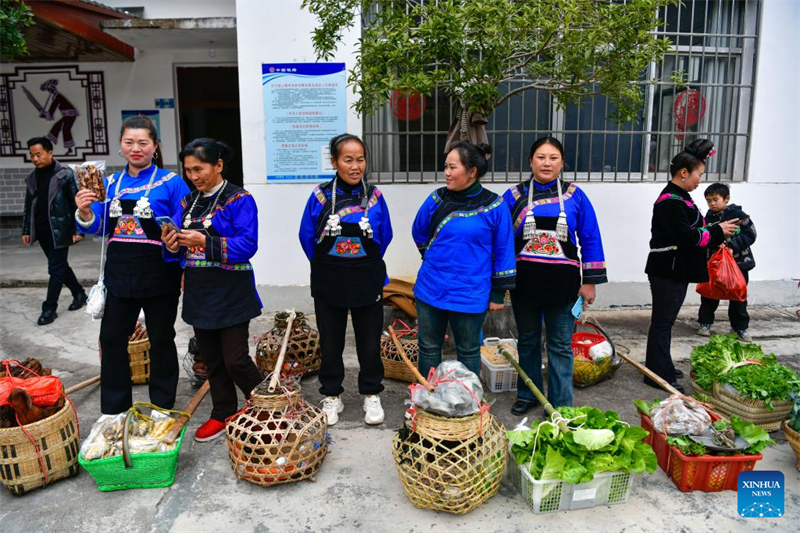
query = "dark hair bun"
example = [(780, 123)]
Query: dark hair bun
[(700, 148), (484, 149)]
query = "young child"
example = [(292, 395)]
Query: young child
[(718, 196)]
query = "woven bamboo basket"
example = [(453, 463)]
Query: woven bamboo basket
[(56, 438), (302, 353), (450, 464), (794, 441), (139, 357), (277, 438), (754, 411), (393, 365)]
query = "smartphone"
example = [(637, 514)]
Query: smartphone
[(168, 222), (577, 309)]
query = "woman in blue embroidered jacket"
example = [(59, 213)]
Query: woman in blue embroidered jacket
[(550, 219), (678, 247), (344, 232), (139, 273), (218, 237), (464, 234)]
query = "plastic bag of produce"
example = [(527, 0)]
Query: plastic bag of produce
[(457, 391), (674, 416), (601, 351)]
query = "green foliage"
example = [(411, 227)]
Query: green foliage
[(767, 381), (15, 16), (794, 416), (645, 406), (756, 437), (602, 443), (570, 48)]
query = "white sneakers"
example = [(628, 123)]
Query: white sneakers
[(373, 412), (332, 406)]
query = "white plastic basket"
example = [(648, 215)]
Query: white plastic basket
[(549, 496), (498, 378)]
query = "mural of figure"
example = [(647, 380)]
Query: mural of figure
[(68, 115)]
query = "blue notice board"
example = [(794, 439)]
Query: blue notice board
[(305, 105)]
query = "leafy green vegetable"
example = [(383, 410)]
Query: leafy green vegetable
[(645, 406), (766, 381), (602, 443), (756, 437), (687, 446)]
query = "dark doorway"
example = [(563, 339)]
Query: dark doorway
[(208, 106)]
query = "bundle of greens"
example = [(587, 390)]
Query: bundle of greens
[(597, 442), (756, 437), (766, 381)]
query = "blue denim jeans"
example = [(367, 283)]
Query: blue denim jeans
[(558, 322), (466, 328)]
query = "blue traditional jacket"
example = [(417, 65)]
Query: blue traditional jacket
[(467, 246)]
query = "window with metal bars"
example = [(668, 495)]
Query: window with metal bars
[(713, 49)]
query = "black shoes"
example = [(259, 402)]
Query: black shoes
[(47, 317), (678, 374), (78, 302), (675, 385), (521, 407)]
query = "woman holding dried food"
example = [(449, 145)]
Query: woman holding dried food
[(344, 232), (678, 252), (551, 218), (218, 237), (139, 272), (464, 235)]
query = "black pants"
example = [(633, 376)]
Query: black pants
[(119, 320), (367, 325), (737, 311), (668, 297), (58, 268), (226, 353)]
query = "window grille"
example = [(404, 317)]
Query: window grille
[(713, 44)]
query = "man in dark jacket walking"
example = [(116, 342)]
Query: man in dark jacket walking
[(50, 218)]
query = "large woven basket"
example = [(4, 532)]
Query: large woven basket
[(450, 464), (277, 438), (393, 365), (794, 441), (56, 438), (302, 353), (754, 411), (139, 356)]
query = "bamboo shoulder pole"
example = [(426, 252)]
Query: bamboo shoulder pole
[(276, 374), (409, 364), (190, 408), (562, 425), (82, 385)]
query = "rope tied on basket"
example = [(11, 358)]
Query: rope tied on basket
[(444, 378)]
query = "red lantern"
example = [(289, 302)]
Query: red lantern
[(407, 106), (689, 108)]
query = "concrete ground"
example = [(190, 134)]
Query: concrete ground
[(357, 487)]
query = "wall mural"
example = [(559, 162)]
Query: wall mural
[(63, 104)]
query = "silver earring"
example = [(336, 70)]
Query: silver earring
[(119, 152)]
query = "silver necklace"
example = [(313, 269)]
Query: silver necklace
[(142, 208), (207, 215), (333, 228)]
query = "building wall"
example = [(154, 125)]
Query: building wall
[(167, 9), (771, 195)]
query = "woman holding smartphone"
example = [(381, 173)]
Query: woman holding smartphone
[(218, 236), (551, 219)]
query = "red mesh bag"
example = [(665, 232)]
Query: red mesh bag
[(726, 281), (43, 390)]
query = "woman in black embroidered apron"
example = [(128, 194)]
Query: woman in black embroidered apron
[(139, 273), (345, 232), (218, 236), (678, 250)]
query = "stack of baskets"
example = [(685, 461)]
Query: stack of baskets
[(450, 464), (277, 438), (754, 411), (302, 353), (139, 355), (47, 453), (393, 365), (587, 371)]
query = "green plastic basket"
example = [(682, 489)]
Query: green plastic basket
[(149, 470)]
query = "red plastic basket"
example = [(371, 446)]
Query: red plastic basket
[(708, 473)]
